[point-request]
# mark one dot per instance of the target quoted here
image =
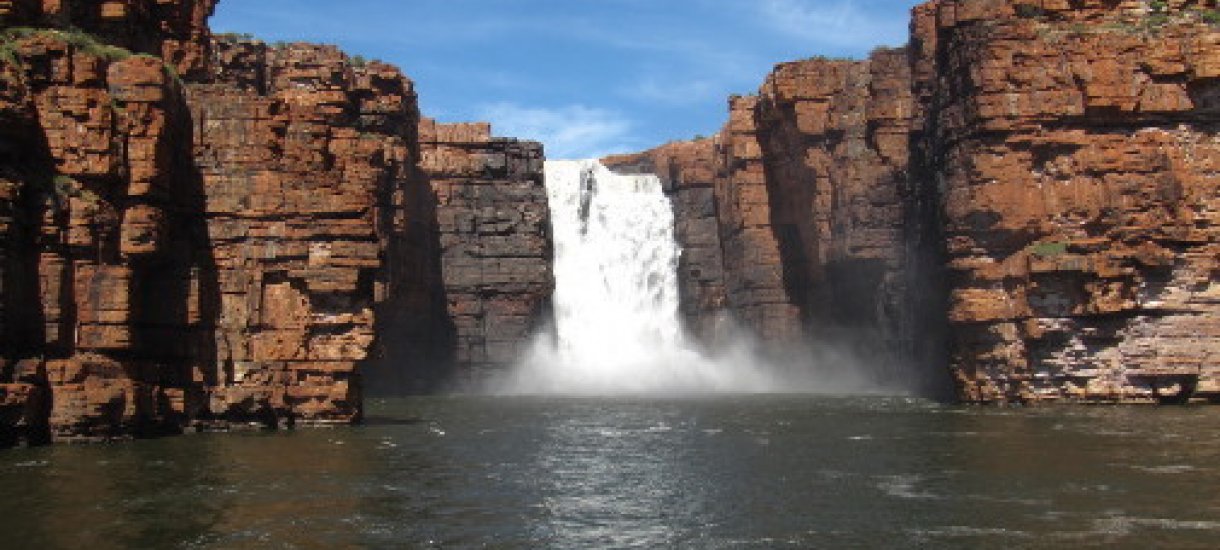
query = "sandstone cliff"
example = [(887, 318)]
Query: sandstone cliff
[(1026, 193), (1074, 152), (200, 233), (806, 200), (495, 246)]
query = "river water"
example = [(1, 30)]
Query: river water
[(723, 472)]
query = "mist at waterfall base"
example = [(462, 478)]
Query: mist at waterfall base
[(617, 327)]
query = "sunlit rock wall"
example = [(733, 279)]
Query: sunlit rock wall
[(1075, 154), (235, 234)]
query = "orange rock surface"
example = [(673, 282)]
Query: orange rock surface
[(1026, 194), (1075, 154), (226, 233)]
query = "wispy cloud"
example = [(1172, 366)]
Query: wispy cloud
[(673, 91), (838, 23), (569, 131)]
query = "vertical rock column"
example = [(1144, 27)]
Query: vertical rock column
[(753, 263), (494, 238), (307, 163), (834, 137), (99, 256)]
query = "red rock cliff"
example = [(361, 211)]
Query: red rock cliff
[(1026, 194), (1073, 149), (807, 201), (233, 233)]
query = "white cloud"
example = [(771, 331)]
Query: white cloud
[(839, 23), (673, 91), (568, 132)]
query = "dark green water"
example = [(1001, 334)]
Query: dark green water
[(749, 472)]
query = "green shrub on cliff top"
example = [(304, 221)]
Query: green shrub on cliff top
[(78, 39), (1048, 249)]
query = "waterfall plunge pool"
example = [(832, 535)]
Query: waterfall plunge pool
[(723, 472)]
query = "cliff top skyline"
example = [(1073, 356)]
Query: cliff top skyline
[(585, 78)]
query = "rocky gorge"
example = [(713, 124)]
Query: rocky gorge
[(205, 232)]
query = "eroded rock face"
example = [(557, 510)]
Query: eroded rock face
[(175, 30), (753, 262), (801, 224), (494, 235), (101, 245), (1027, 194), (834, 138), (236, 249), (307, 166), (1075, 152)]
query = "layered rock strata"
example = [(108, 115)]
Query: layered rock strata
[(834, 142), (103, 265), (802, 206), (307, 164), (234, 234), (175, 30), (495, 246), (1027, 194), (1074, 152)]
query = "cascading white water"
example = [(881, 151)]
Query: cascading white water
[(617, 326), (616, 287)]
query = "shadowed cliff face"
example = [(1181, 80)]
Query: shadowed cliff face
[(106, 247), (495, 248)]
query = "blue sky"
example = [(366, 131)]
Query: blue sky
[(586, 77)]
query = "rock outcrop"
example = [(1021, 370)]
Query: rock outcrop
[(806, 206), (175, 30), (834, 137), (102, 263), (307, 164), (201, 234), (1074, 152), (1026, 193), (495, 246)]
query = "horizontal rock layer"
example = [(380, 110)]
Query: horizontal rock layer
[(1027, 193), (1074, 150), (495, 249), (233, 234)]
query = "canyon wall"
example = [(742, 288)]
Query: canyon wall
[(495, 246), (235, 234), (1026, 194), (800, 224), (1074, 152)]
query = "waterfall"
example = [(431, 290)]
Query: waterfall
[(617, 324)]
